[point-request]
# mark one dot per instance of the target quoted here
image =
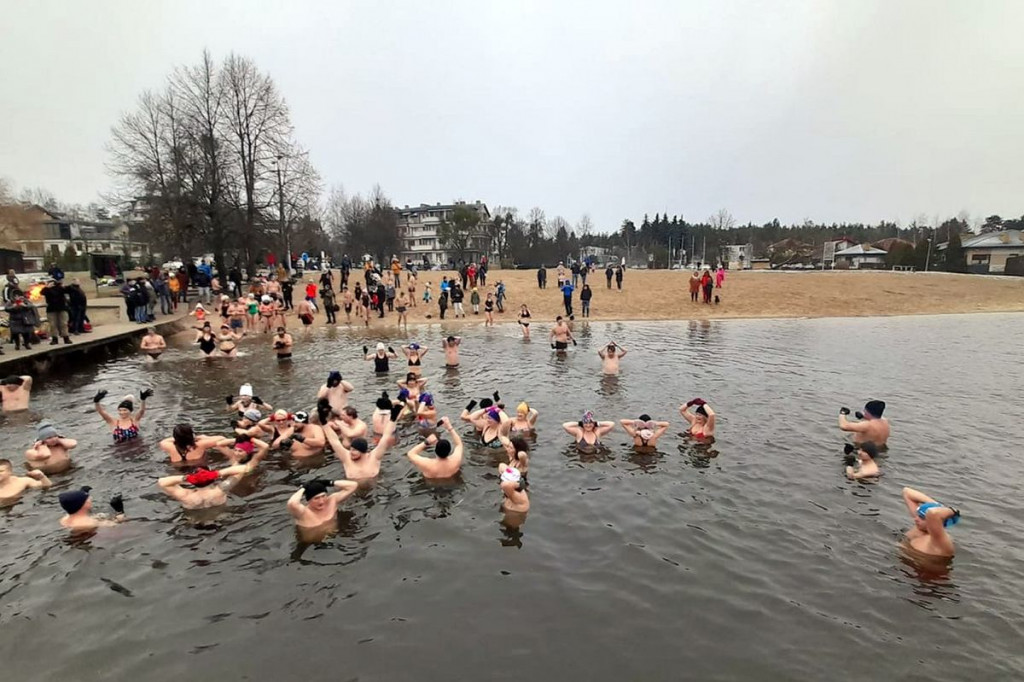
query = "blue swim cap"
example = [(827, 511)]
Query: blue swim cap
[(922, 511)]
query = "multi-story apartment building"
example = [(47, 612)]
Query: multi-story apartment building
[(418, 225)]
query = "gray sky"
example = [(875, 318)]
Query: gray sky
[(852, 110)]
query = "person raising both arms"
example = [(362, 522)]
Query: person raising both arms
[(15, 392), (336, 391), (77, 506), (610, 356), (866, 454), (185, 446), (202, 493), (931, 519), (644, 431), (12, 487), (125, 426), (322, 498), (450, 346), (489, 421), (588, 432), (245, 400), (702, 419), (381, 357), (872, 426), (152, 344), (358, 460), (49, 453), (448, 457)]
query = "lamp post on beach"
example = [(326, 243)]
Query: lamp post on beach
[(928, 258)]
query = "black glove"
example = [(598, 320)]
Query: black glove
[(574, 342), (395, 411), (256, 399), (278, 344), (299, 438), (86, 488), (391, 350), (229, 400), (286, 442), (848, 448), (366, 351), (234, 424), (472, 404), (858, 415), (497, 398), (844, 410), (849, 460), (146, 394), (100, 395), (117, 504)]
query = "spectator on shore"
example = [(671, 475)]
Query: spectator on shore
[(694, 285), (618, 277), (77, 302), (474, 300), (203, 281), (719, 277), (150, 291), (585, 295), (23, 319), (57, 310), (499, 296), (542, 277), (10, 286), (567, 290), (575, 269), (481, 272), (707, 284), (163, 291), (182, 278), (608, 274)]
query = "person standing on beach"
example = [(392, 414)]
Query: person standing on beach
[(474, 300), (618, 277), (542, 277), (608, 274), (22, 319), (585, 297), (707, 284), (458, 294), (694, 286), (57, 311), (567, 290), (442, 301), (719, 277)]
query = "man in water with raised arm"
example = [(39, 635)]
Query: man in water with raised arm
[(561, 335), (610, 356), (336, 391), (11, 486), (359, 461), (15, 392), (871, 427), (931, 519), (449, 454)]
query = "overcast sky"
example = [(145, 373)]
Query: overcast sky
[(849, 110)]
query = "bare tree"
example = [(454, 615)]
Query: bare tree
[(504, 219), (584, 226), (722, 220)]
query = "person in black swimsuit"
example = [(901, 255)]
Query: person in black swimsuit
[(524, 320), (207, 342), (381, 357), (414, 353)]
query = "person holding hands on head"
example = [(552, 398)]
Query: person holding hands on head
[(610, 356), (702, 419), (931, 519), (49, 453), (644, 431), (201, 493), (322, 498)]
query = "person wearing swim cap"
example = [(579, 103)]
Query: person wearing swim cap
[(302, 439), (283, 343), (249, 424), (336, 390), (49, 453), (12, 487), (185, 446), (610, 356), (15, 392), (381, 357), (246, 400), (868, 467), (476, 413), (588, 432), (450, 346), (871, 427), (243, 449), (490, 422), (204, 488), (321, 498), (125, 426), (702, 420), (561, 336), (414, 384), (644, 431), (359, 461), (448, 453), (153, 345), (525, 421), (414, 353), (513, 490), (77, 505), (929, 535), (426, 411)]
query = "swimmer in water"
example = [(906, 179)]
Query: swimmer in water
[(525, 421), (243, 449), (381, 357), (283, 343), (450, 346), (185, 446), (12, 487), (414, 384), (207, 488), (448, 457), (518, 450), (15, 392), (336, 391), (245, 400), (866, 454), (931, 519), (382, 415), (358, 460), (153, 345), (524, 320), (513, 489), (322, 498), (426, 412), (610, 356), (588, 431), (49, 453), (227, 341), (473, 415), (302, 438), (561, 336), (125, 426), (249, 424), (872, 426), (644, 431), (349, 426), (77, 504), (702, 419)]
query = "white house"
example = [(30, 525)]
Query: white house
[(861, 256)]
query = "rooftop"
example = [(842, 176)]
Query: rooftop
[(861, 250)]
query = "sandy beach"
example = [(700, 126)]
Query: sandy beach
[(664, 295)]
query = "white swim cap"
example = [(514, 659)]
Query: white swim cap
[(511, 474), (266, 299), (380, 346), (245, 390)]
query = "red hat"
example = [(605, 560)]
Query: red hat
[(202, 477)]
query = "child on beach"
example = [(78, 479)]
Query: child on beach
[(427, 296), (199, 313)]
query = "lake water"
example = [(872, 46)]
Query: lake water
[(755, 560)]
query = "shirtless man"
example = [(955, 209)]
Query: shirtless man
[(610, 356), (347, 299), (77, 504), (321, 506), (283, 344), (359, 461), (336, 391), (348, 425), (203, 494), (872, 426), (11, 486), (304, 311), (15, 392), (561, 335), (49, 453), (449, 458), (236, 315), (152, 344), (302, 438), (866, 453), (249, 424), (931, 519), (450, 346)]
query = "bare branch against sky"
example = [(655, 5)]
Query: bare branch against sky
[(832, 110)]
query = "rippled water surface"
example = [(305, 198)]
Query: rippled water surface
[(755, 560)]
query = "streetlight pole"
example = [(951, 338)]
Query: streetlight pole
[(928, 258), (280, 212)]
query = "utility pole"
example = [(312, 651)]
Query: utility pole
[(928, 258), (280, 211)]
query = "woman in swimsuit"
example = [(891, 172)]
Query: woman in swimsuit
[(207, 342), (644, 431), (414, 353), (525, 420), (524, 320), (185, 446), (266, 313), (702, 419), (357, 294), (227, 341), (588, 432), (381, 357), (490, 421), (489, 310), (518, 451), (278, 309), (426, 412), (414, 384), (411, 281), (252, 309), (125, 426)]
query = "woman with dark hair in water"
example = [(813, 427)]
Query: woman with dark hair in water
[(185, 446), (588, 431), (702, 419)]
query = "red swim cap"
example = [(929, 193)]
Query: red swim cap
[(202, 477)]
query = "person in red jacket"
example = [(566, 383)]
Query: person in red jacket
[(707, 284)]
